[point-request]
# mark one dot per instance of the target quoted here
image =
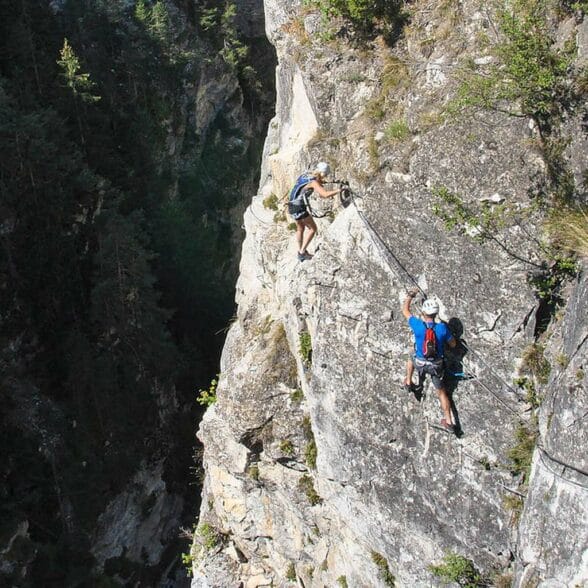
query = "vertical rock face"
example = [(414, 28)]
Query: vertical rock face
[(319, 466), (553, 534)]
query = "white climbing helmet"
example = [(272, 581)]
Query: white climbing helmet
[(430, 307), (323, 168)]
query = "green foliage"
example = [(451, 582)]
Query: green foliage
[(382, 563), (159, 22), (209, 18), (363, 13), (529, 68), (234, 51), (514, 504), (342, 581), (79, 82), (306, 485), (291, 573), (208, 397), (375, 108), (573, 6), (156, 20), (271, 202), (187, 561), (305, 347), (535, 363), (530, 392), (286, 447), (456, 568), (547, 282), (397, 130), (453, 211), (310, 451), (310, 454), (220, 25), (521, 454), (141, 11), (209, 535), (297, 396)]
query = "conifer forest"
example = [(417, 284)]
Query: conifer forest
[(120, 206)]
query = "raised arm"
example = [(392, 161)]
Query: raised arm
[(406, 304)]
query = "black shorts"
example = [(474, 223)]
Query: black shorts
[(297, 212)]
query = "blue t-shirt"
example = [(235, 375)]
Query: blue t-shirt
[(442, 333)]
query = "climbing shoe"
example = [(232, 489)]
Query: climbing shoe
[(304, 256), (448, 427), (408, 386)]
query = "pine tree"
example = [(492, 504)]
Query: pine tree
[(141, 11), (79, 82), (159, 22)]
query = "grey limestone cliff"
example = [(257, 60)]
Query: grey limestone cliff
[(319, 468)]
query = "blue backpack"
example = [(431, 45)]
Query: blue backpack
[(298, 199)]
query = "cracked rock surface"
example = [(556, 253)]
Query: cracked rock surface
[(320, 466)]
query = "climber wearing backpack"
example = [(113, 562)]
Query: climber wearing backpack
[(430, 340), (305, 185)]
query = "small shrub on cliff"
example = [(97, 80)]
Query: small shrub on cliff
[(521, 454), (535, 363), (286, 447), (457, 568), (310, 454), (310, 451), (187, 560), (297, 396), (306, 485), (209, 536), (513, 503), (385, 573), (530, 392), (208, 397), (547, 281), (397, 130), (305, 348), (291, 573), (342, 581), (271, 202)]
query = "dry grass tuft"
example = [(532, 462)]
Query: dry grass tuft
[(568, 229)]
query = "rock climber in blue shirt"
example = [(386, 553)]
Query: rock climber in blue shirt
[(429, 351)]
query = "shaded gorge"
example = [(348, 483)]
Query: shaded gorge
[(130, 144)]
